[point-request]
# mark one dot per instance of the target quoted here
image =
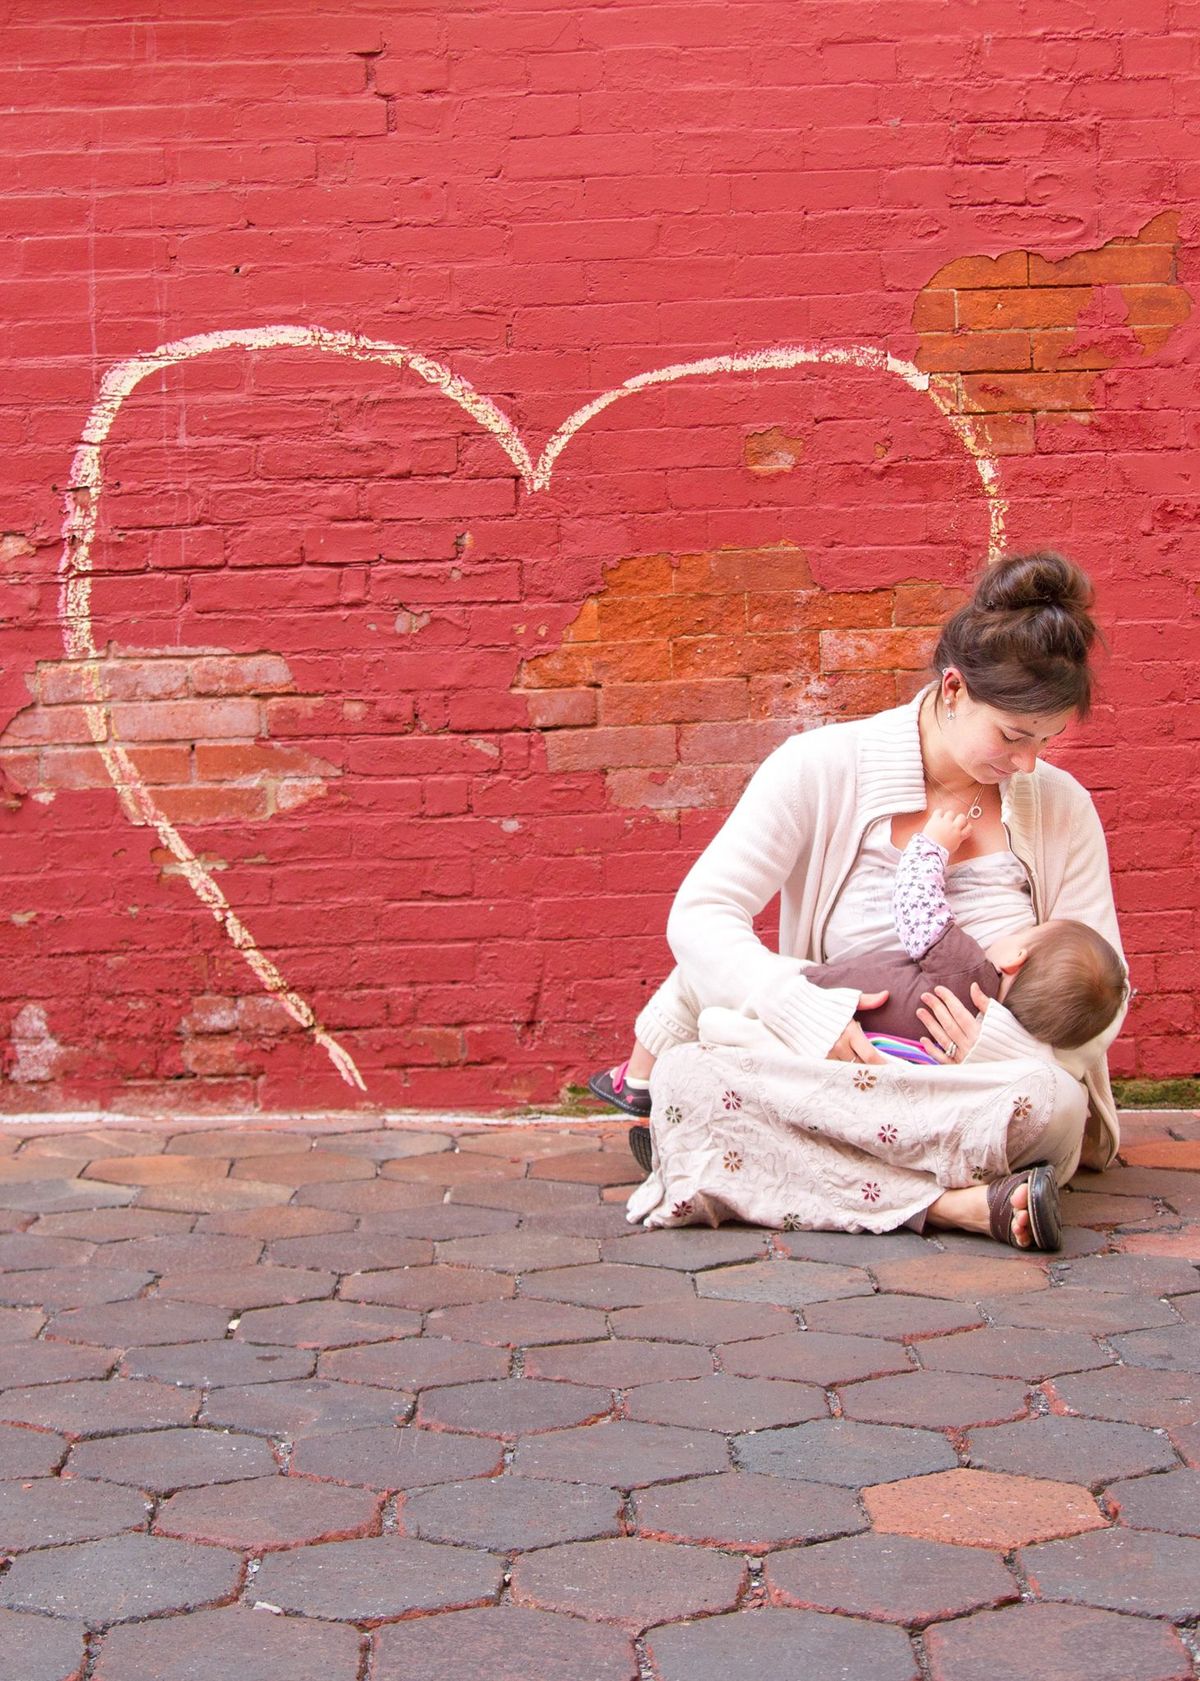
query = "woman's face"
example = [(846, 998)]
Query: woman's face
[(990, 745)]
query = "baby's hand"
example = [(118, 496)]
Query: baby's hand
[(948, 828)]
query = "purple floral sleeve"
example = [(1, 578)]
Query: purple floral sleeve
[(919, 906)]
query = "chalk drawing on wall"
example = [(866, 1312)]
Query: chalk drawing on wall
[(86, 488)]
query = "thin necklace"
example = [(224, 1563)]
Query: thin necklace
[(975, 811)]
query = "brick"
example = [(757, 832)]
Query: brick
[(121, 1578), (207, 1644), (1079, 1450), (52, 1511), (505, 1642), (386, 1458), (972, 350), (267, 1512), (386, 1576), (1064, 1641), (771, 1640), (787, 1283), (40, 1650), (628, 1580), (1119, 1569), (843, 1451), (165, 1460), (296, 1409), (823, 1358), (29, 1453), (742, 1510), (620, 1454), (1032, 392), (510, 1513), (893, 1578), (27, 1364), (1130, 1394), (94, 1408), (981, 1509)]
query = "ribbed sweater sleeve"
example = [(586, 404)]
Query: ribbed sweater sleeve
[(1001, 1036)]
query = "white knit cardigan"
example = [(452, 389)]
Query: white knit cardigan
[(797, 831)]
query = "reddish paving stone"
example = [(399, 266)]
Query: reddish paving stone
[(383, 1146), (785, 1283), (390, 1458), (1174, 1154), (268, 1512), (1105, 1211), (438, 1221), (416, 1363), (605, 1285), (16, 1170), (629, 1581), (689, 1248), (1121, 1569), (72, 1287), (618, 1363), (523, 1196), (705, 1322), (205, 1365), (303, 1167), (1183, 1242), (214, 1196), (138, 1324), (1170, 1503), (505, 1644), (326, 1324), (236, 1641), (52, 1510), (520, 1251), (233, 1141), (589, 1167), (278, 1222), (386, 1576), (451, 1168), (957, 1277), (526, 1145), (165, 1460), (621, 1454), (1130, 1393), (1092, 1312), (186, 1253), (156, 1170), (1009, 1351), (30, 1363), (241, 1288), (935, 1400), (749, 1512), (29, 1453), (1173, 1350), (517, 1324), (1188, 1307), (1077, 1450), (898, 1317), (814, 1357), (1151, 1275), (111, 1225), (22, 1251), (351, 1251), (768, 1645), (36, 1649), (423, 1288), (1056, 1643), (96, 1408), (721, 1402), (315, 1408), (512, 1406), (57, 1196), (19, 1324), (511, 1513), (120, 1578), (981, 1509), (891, 1577), (366, 1196), (837, 1450)]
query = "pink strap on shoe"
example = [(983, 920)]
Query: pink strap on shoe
[(618, 1076)]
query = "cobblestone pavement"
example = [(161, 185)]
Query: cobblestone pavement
[(291, 1402)]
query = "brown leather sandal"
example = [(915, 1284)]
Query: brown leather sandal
[(1045, 1220)]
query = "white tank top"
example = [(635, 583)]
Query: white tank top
[(989, 896)]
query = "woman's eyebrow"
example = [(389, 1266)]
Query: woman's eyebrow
[(1030, 735)]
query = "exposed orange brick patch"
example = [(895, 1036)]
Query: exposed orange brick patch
[(771, 451), (1019, 335), (196, 725), (685, 671), (981, 1509)]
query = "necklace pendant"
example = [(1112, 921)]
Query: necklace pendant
[(976, 811)]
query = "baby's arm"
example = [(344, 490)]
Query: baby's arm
[(919, 907)]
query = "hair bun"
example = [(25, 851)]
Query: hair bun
[(1037, 580)]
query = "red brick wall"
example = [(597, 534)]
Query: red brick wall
[(413, 738)]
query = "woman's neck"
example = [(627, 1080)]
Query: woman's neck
[(942, 769)]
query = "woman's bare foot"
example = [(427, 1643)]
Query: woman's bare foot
[(966, 1210)]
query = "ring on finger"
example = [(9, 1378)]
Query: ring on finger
[(951, 1049)]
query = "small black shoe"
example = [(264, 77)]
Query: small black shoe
[(609, 1085), (639, 1143)]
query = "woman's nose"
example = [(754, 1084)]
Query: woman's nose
[(1024, 758)]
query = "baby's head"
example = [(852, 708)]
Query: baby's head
[(1062, 981)]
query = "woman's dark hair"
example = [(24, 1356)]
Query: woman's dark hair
[(1022, 642)]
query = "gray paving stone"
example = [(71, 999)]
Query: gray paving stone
[(180, 1252), (235, 1641), (706, 1322), (326, 1324), (48, 1511), (607, 1285), (437, 1221), (1120, 1569), (120, 1578), (416, 1363), (1151, 1275), (137, 1324), (342, 1252), (239, 1288), (54, 1196), (388, 1458), (268, 1512), (1095, 1313), (30, 1453), (385, 1146), (689, 1248), (19, 1324), (767, 1645), (618, 1363), (1130, 1393), (165, 1460), (36, 1649), (520, 1251), (839, 1450), (786, 1283), (522, 1196), (207, 1365), (591, 1219), (507, 1513), (25, 1364), (821, 1357), (314, 1408), (96, 1408), (383, 1576), (934, 1400), (726, 1403), (518, 1323), (890, 1577), (1170, 1503), (628, 1580), (743, 1510), (1014, 1352), (1077, 1450), (505, 1644), (512, 1406), (1056, 1643), (1172, 1349), (423, 1288), (70, 1287), (21, 1251), (900, 1317), (852, 1249), (621, 1454)]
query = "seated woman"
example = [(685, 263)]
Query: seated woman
[(773, 1107)]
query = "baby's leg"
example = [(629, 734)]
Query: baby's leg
[(669, 1018)]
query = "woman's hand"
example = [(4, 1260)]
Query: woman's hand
[(952, 1026), (854, 1046)]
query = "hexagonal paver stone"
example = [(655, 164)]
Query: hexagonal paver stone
[(523, 1196), (1132, 1394), (390, 1458), (137, 1324), (209, 1365), (181, 1253), (1152, 1275), (72, 1286), (1089, 1311), (96, 1409), (902, 1318), (26, 1364), (934, 1400), (386, 1576), (422, 1288), (125, 1576), (315, 1408), (1065, 1642), (517, 1324), (29, 1453), (164, 1460), (52, 1196), (520, 1251), (384, 1146), (52, 1510), (689, 1248), (416, 1363), (303, 1167), (267, 1512), (504, 1643), (892, 1577), (326, 1324), (437, 1220), (619, 1362), (767, 1645), (1078, 1450), (727, 1403), (19, 1324), (962, 1277), (236, 1641), (1122, 1569), (785, 1283), (705, 1322), (37, 1649), (743, 1510), (351, 1251), (515, 1406), (621, 1454), (507, 1513), (981, 1509), (369, 1197), (1008, 1351), (838, 1450), (1170, 1503), (820, 1357), (239, 1288), (607, 1285), (1176, 1349), (157, 1169), (628, 1581)]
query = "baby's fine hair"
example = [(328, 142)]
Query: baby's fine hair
[(1070, 986)]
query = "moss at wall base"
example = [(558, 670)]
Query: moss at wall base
[(1158, 1094)]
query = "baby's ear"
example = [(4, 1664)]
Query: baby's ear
[(1015, 963)]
